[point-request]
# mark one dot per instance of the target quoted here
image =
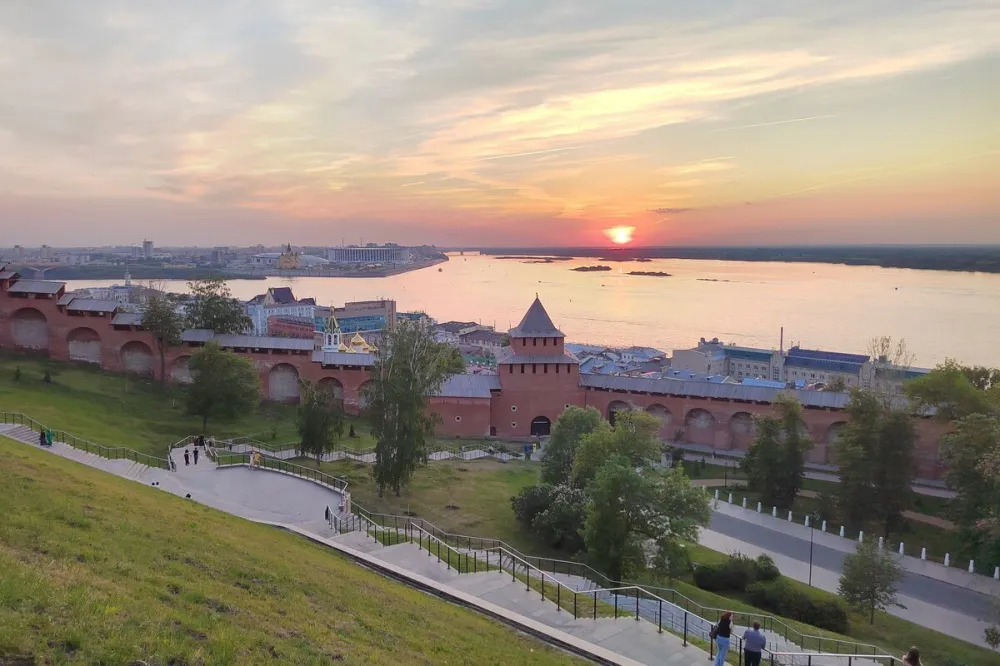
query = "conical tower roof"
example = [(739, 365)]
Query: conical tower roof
[(536, 324)]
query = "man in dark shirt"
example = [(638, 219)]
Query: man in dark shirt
[(753, 645)]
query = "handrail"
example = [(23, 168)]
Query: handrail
[(769, 622), (226, 459), (292, 449), (109, 452)]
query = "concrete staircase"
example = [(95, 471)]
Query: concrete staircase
[(125, 468), (637, 636)]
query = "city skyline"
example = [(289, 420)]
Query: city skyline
[(482, 123)]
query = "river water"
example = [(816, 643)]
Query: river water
[(941, 314)]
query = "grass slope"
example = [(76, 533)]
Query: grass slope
[(96, 569), (99, 406)]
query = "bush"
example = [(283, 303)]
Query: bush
[(531, 501), (766, 569), (735, 574), (782, 598)]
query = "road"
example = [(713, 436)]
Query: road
[(939, 593)]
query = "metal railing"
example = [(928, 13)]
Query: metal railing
[(340, 452), (227, 459), (664, 599), (109, 452)]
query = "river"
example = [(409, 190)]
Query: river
[(941, 314)]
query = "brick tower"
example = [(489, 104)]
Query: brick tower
[(538, 377)]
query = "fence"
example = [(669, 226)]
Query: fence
[(436, 451), (227, 459), (109, 452), (665, 607)]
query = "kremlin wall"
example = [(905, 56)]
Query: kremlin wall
[(537, 378)]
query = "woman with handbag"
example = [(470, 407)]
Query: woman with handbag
[(721, 633)]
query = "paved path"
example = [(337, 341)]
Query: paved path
[(930, 602), (812, 494)]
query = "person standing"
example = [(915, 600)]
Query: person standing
[(722, 632), (187, 459), (196, 455), (912, 657), (42, 439), (753, 645)]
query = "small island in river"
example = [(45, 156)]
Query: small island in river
[(650, 273), (591, 269)]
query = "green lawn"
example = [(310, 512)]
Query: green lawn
[(109, 410), (96, 569), (478, 493)]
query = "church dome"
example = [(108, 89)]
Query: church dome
[(342, 348)]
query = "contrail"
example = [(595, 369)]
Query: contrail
[(533, 152), (776, 122)]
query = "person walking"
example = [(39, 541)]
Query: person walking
[(42, 439), (721, 635), (201, 441), (753, 645), (912, 657), (187, 459), (196, 455), (48, 437)]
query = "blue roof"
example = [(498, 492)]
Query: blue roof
[(828, 355), (828, 365), (768, 383), (748, 353)]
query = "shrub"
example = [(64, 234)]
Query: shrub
[(766, 569), (530, 502), (782, 598), (735, 574)]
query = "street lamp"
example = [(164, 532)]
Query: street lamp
[(812, 530)]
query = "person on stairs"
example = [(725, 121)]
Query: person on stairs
[(720, 633), (48, 437), (753, 645), (42, 439)]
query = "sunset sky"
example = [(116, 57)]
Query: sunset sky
[(499, 122)]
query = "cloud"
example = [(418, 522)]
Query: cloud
[(671, 211), (433, 107)]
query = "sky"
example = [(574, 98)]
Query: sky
[(499, 122)]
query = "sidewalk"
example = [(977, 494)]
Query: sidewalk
[(951, 575), (919, 612)]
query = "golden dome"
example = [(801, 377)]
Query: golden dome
[(357, 340), (342, 347)]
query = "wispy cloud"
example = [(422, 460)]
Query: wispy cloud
[(426, 109)]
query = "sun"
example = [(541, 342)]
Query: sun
[(620, 235)]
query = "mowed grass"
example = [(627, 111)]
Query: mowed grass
[(111, 410), (462, 497), (96, 569)]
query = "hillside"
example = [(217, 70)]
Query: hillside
[(94, 568)]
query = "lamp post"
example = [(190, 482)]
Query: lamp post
[(812, 531)]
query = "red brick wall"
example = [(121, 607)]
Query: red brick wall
[(287, 329), (524, 396), (473, 416)]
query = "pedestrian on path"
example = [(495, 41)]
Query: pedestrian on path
[(196, 455), (187, 459), (753, 645), (912, 657), (48, 437), (42, 439), (720, 633), (201, 440)]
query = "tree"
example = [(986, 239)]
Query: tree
[(617, 518), (837, 384), (775, 462), (409, 367), (222, 385), (635, 436), (321, 421), (559, 523), (869, 578), (560, 451), (949, 390), (971, 454), (875, 454), (161, 318), (213, 307), (629, 511)]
